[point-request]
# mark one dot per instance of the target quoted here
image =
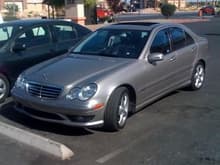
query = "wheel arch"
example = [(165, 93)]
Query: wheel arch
[(132, 94), (7, 77), (203, 62)]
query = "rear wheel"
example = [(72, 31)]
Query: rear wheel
[(198, 77), (4, 88), (117, 110)]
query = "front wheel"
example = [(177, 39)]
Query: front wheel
[(117, 110), (4, 88), (198, 77)]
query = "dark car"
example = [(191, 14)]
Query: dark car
[(207, 10), (24, 43)]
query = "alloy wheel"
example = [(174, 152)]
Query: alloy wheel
[(199, 76), (3, 88), (123, 109)]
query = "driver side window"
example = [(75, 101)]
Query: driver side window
[(161, 43)]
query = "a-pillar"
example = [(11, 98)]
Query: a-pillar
[(74, 10)]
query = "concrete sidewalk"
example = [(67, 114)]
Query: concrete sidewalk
[(13, 152)]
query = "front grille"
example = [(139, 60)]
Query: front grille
[(43, 91)]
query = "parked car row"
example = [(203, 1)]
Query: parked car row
[(24, 43), (113, 72)]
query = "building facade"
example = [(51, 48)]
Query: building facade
[(26, 8)]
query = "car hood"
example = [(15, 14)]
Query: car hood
[(71, 70)]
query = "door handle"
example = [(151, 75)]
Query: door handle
[(173, 58), (193, 49)]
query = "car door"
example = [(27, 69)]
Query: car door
[(30, 47), (157, 77), (186, 49), (65, 36)]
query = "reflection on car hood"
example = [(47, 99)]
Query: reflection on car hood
[(74, 69)]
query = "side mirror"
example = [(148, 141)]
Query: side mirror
[(19, 47), (154, 57)]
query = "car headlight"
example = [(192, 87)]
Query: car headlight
[(83, 94), (20, 82)]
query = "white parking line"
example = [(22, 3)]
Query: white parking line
[(110, 155), (115, 153), (49, 146)]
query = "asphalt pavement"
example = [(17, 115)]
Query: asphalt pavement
[(182, 128)]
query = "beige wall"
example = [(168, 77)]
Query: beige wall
[(176, 2), (28, 8)]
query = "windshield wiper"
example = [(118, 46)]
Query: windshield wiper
[(95, 54), (106, 55), (77, 52)]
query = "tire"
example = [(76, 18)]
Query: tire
[(198, 77), (114, 117), (4, 88)]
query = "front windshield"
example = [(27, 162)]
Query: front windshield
[(114, 43), (6, 32)]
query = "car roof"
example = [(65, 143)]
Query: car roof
[(133, 25), (29, 22), (140, 25)]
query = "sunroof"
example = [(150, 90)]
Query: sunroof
[(137, 23)]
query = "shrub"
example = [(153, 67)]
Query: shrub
[(168, 10)]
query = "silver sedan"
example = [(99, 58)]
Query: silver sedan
[(115, 71)]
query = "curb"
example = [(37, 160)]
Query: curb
[(44, 144)]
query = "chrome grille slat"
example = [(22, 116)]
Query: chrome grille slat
[(43, 91)]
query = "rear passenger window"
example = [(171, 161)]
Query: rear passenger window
[(64, 32), (39, 31), (161, 43), (189, 39), (35, 36), (178, 38)]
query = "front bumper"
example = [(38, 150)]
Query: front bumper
[(57, 111)]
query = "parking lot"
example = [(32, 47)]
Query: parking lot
[(182, 128)]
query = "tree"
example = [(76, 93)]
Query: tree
[(114, 5), (12, 9), (168, 10), (55, 5), (90, 11)]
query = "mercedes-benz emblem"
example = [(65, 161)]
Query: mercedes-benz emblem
[(44, 76)]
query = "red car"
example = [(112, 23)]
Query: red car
[(207, 10), (103, 13)]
